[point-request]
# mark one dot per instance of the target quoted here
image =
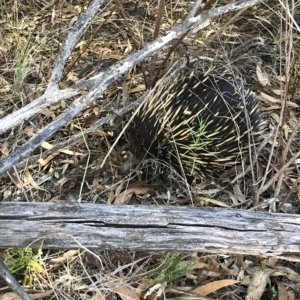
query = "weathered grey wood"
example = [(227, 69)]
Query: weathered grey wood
[(69, 225)]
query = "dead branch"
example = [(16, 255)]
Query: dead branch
[(211, 230)]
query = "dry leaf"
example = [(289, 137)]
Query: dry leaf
[(282, 78), (33, 183), (125, 93), (48, 146), (199, 265), (126, 195), (64, 258), (45, 161), (271, 108), (100, 132), (126, 293), (141, 288), (10, 296), (16, 179), (4, 85), (110, 196), (278, 92), (276, 117), (259, 281), (293, 119), (211, 287), (289, 273), (213, 201), (238, 194), (139, 88), (282, 293), (100, 295), (29, 131), (48, 113), (13, 296), (267, 99), (261, 75), (4, 149), (286, 130), (72, 76), (90, 120)]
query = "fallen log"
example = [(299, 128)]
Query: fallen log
[(212, 230)]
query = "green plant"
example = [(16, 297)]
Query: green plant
[(172, 269), (199, 141), (272, 288), (25, 262)]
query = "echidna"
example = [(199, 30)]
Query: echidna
[(199, 124)]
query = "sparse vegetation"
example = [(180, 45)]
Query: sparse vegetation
[(258, 44), (25, 263)]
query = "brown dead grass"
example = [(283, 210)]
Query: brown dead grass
[(252, 45)]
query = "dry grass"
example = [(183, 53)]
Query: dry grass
[(258, 45)]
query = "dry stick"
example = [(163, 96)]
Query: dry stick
[(73, 36), (19, 181), (120, 135), (280, 171), (284, 155), (12, 282), (191, 14), (152, 71), (89, 42), (194, 9), (220, 30), (288, 50), (103, 80), (34, 107), (136, 46), (171, 50), (254, 159), (293, 188), (290, 14), (280, 123)]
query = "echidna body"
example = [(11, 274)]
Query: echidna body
[(199, 123)]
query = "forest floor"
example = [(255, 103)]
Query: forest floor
[(259, 45)]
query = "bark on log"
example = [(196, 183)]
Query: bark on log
[(213, 230)]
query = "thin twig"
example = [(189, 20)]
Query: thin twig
[(279, 172), (254, 159), (194, 9), (294, 188), (288, 50), (285, 152)]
